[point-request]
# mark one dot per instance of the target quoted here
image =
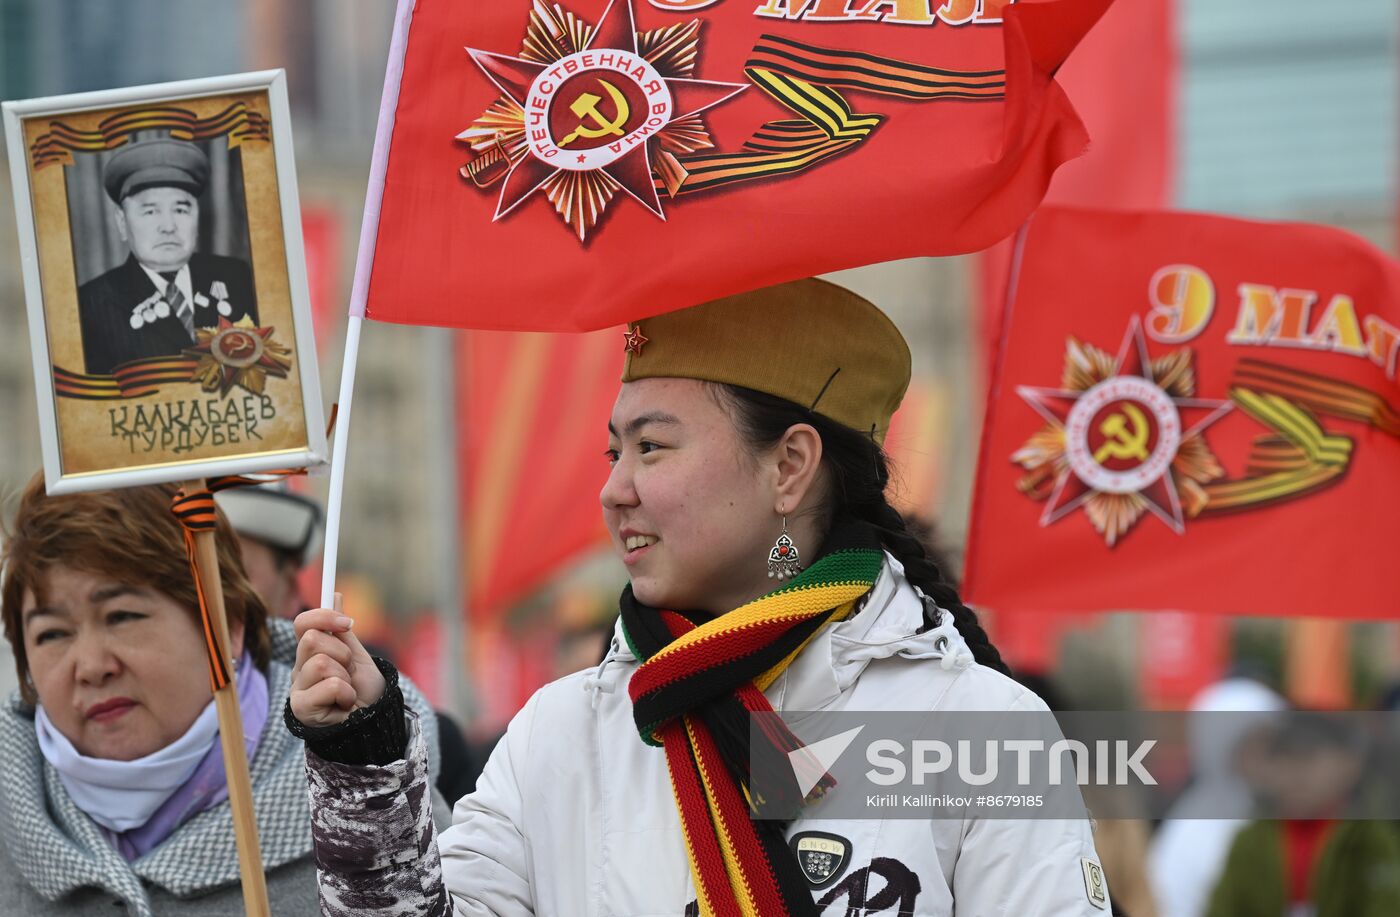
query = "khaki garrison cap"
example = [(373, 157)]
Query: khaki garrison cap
[(161, 163), (809, 342)]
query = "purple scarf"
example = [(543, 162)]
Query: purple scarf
[(206, 787)]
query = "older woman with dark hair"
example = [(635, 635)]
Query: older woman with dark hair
[(114, 789)]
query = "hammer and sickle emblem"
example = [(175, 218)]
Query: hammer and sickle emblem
[(586, 108), (1122, 442)]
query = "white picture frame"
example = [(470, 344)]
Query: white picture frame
[(252, 419)]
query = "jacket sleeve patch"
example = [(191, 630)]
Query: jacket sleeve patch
[(1095, 885)]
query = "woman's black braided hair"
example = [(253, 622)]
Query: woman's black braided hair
[(859, 472)]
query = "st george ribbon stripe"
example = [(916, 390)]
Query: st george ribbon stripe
[(1319, 393), (807, 80), (237, 119), (837, 130), (131, 380), (197, 513), (1271, 454), (770, 42), (1300, 457), (858, 70), (868, 80), (823, 106)]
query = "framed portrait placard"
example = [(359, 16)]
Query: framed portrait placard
[(169, 316)]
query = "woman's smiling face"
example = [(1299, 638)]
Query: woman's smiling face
[(120, 670), (691, 512)]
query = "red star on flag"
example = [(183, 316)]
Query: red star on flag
[(1127, 440), (606, 101)]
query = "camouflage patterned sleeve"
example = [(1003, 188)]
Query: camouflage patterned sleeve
[(372, 830)]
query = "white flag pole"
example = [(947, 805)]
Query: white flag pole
[(359, 292), (338, 450)]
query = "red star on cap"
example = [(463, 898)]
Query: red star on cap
[(635, 340)]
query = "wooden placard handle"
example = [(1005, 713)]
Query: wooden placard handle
[(240, 787)]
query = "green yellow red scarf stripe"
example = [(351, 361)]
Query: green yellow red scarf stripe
[(700, 680)]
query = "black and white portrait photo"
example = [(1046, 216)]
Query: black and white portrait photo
[(160, 247)]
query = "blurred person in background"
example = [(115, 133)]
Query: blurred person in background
[(279, 533), (114, 790), (1188, 852), (1308, 862)]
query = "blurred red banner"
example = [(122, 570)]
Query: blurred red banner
[(1180, 655), (571, 166), (320, 232), (532, 430), (914, 444), (1191, 412)]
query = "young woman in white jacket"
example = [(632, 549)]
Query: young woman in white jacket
[(768, 572)]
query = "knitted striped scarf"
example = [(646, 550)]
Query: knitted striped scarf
[(699, 681)]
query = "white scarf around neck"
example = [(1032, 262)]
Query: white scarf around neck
[(121, 795)]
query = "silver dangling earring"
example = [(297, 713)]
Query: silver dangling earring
[(783, 561)]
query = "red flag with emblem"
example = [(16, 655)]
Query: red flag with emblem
[(1191, 412), (576, 164)]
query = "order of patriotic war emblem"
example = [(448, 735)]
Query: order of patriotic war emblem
[(1124, 437), (580, 107), (592, 113), (594, 108)]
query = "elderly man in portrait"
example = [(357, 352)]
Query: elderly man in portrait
[(151, 304)]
